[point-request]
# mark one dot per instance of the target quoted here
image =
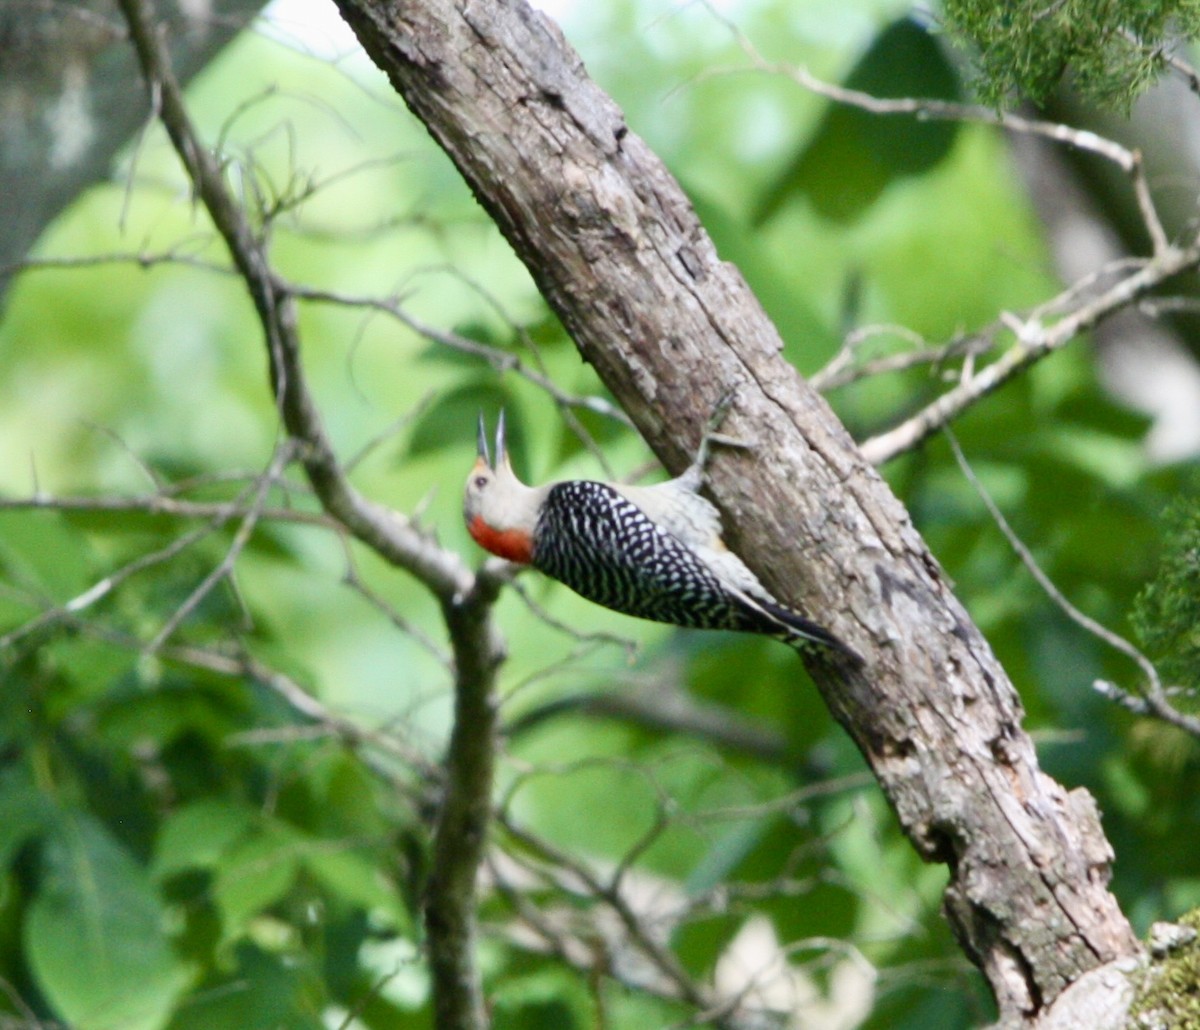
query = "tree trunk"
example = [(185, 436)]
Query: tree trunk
[(620, 255), (70, 99)]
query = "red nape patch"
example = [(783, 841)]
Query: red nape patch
[(512, 544)]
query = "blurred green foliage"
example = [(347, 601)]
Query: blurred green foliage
[(181, 847), (853, 155)]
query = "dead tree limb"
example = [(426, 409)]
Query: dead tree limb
[(620, 255)]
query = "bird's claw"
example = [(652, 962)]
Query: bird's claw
[(711, 436)]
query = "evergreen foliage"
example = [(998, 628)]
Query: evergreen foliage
[(1111, 50), (1166, 614)]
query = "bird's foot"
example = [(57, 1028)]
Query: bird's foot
[(712, 436)]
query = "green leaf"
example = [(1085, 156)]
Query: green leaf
[(854, 155), (726, 854), (264, 992), (253, 875), (355, 879), (118, 523), (167, 713), (24, 812), (39, 549), (94, 934), (549, 999), (699, 943), (196, 836)]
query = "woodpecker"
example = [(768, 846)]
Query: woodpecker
[(654, 552)]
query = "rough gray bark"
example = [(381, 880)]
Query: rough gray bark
[(618, 252), (69, 101)]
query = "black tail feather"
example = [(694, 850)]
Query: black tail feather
[(800, 632)]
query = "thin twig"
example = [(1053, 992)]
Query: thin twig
[(662, 958), (667, 708), (630, 647), (142, 259), (1154, 699), (302, 701), (1129, 161), (1171, 59), (1184, 70), (355, 582), (250, 516), (396, 425), (566, 407), (841, 370), (103, 587), (501, 360)]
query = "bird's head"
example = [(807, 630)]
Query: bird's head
[(499, 509)]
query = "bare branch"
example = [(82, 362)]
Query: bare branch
[(466, 600), (668, 708), (662, 958), (579, 948), (1034, 341), (842, 371), (166, 506), (144, 259)]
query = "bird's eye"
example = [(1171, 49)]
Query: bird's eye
[(480, 482)]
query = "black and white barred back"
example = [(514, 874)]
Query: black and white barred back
[(597, 542)]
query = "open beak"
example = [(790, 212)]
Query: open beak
[(481, 442)]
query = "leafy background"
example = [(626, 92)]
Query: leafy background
[(182, 848)]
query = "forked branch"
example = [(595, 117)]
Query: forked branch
[(466, 600), (618, 252)]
